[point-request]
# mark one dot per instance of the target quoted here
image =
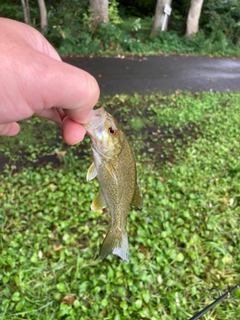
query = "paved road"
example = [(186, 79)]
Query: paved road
[(161, 73)]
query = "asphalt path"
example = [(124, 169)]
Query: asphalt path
[(161, 73)]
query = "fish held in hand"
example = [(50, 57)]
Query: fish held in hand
[(115, 168)]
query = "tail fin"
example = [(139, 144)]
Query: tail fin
[(116, 243)]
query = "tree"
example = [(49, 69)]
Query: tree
[(159, 16), (194, 16), (100, 11), (43, 16), (26, 11)]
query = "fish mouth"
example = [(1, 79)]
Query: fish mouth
[(96, 123)]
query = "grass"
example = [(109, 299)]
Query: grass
[(183, 242)]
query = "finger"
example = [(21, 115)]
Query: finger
[(53, 114), (64, 86), (72, 131), (9, 129)]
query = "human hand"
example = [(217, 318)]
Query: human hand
[(34, 80)]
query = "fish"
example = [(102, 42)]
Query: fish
[(114, 167)]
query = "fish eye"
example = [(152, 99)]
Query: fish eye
[(112, 131)]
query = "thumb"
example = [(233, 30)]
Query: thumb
[(58, 84), (9, 129)]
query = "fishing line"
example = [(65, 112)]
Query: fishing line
[(220, 298)]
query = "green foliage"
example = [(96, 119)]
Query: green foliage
[(113, 14), (111, 39), (222, 16), (184, 241), (108, 37), (13, 11), (66, 19), (136, 8), (133, 36), (71, 28)]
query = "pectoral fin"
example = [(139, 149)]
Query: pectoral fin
[(98, 203), (92, 172), (137, 200)]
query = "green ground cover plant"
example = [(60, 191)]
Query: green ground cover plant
[(183, 242)]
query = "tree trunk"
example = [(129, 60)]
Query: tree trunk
[(159, 16), (43, 16), (26, 11), (100, 11), (194, 16)]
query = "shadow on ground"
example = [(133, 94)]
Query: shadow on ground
[(155, 143)]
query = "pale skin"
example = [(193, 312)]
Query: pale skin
[(34, 80)]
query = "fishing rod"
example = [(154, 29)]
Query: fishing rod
[(215, 302)]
